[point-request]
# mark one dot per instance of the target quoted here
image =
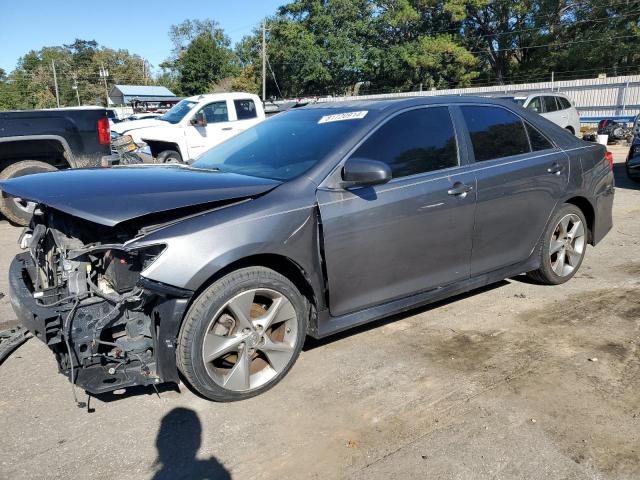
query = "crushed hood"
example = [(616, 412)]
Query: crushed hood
[(109, 196)]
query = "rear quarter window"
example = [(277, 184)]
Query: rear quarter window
[(245, 109), (495, 132)]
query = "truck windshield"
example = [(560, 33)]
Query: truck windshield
[(283, 147), (178, 111)]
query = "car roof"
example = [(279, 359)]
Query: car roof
[(397, 103), (221, 96)]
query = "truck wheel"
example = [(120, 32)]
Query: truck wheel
[(169, 156), (242, 334), (15, 209)]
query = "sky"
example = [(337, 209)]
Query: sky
[(140, 26)]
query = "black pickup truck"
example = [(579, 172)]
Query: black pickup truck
[(39, 141)]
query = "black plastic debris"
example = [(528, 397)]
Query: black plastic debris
[(11, 339)]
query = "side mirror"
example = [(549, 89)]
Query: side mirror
[(364, 171), (199, 120)]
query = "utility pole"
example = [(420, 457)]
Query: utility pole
[(104, 73), (144, 71), (75, 87), (55, 82), (264, 61)]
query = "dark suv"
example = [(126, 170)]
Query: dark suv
[(312, 222)]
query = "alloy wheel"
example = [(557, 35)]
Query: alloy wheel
[(567, 245), (250, 340)]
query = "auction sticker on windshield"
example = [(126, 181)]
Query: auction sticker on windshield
[(338, 117)]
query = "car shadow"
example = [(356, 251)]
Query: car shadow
[(178, 441), (312, 343), (622, 179)]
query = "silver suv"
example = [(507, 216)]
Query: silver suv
[(554, 106)]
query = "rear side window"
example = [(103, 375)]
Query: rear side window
[(418, 141), (495, 132), (550, 104), (538, 141), (245, 109), (216, 112), (564, 103)]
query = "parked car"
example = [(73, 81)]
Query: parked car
[(554, 106), (195, 125), (632, 165), (38, 141), (312, 222)]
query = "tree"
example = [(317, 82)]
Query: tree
[(31, 84), (201, 56)]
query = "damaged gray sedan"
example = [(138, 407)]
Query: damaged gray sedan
[(310, 223)]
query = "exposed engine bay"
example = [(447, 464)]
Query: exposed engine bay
[(90, 305)]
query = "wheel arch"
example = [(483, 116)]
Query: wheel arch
[(588, 211), (158, 146), (282, 264), (51, 149)]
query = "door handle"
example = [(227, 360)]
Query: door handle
[(460, 189), (227, 128), (555, 169)]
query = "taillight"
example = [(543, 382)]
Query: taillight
[(608, 156), (104, 131)]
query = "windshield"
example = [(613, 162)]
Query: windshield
[(282, 147), (178, 111), (519, 101)]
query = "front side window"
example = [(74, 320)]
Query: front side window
[(245, 109), (216, 112), (418, 141), (535, 105), (495, 132), (550, 104)]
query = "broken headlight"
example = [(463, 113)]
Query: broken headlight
[(122, 267)]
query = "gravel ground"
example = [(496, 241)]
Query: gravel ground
[(513, 381)]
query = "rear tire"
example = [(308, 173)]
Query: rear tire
[(169, 156), (242, 335), (16, 210), (562, 246)]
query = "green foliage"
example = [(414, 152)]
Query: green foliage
[(207, 59), (31, 83), (336, 47)]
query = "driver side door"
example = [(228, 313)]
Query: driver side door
[(218, 129), (412, 234)]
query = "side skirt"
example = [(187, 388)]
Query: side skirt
[(329, 325)]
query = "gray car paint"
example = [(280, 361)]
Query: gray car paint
[(370, 252)]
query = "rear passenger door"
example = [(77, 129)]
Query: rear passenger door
[(411, 234), (520, 175)]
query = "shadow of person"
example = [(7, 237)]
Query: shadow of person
[(178, 442)]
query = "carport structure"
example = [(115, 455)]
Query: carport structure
[(140, 94)]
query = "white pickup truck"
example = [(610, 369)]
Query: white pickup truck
[(194, 125)]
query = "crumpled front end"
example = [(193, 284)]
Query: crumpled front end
[(79, 289)]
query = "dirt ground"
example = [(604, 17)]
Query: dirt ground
[(514, 381)]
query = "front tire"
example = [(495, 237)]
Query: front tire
[(169, 156), (17, 210), (562, 246), (242, 334)]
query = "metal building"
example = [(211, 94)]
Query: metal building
[(132, 94)]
